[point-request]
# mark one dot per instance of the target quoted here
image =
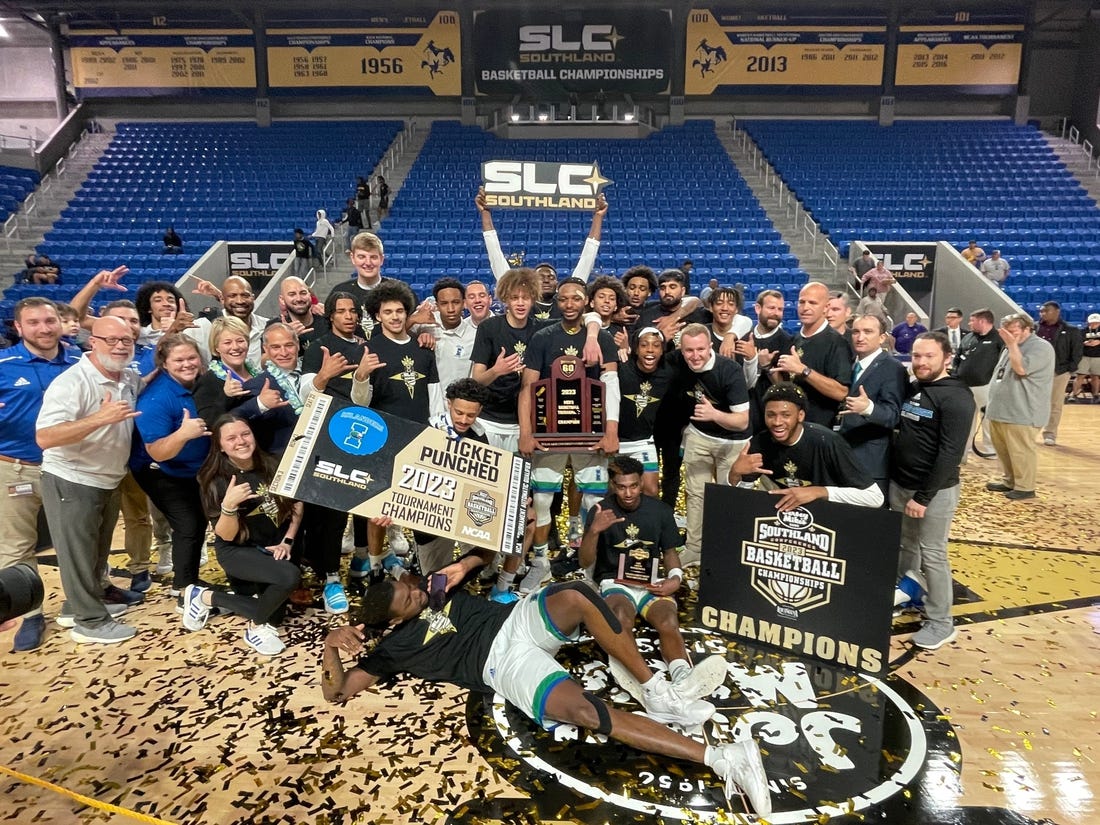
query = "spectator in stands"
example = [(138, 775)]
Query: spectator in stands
[(296, 310), (820, 360), (173, 243), (362, 201), (924, 479), (871, 304), (687, 267), (303, 253), (1068, 349), (996, 268), (974, 254), (383, 190), (906, 333), (171, 446), (367, 256), (42, 270), (84, 429), (162, 311), (864, 264), (352, 221), (1088, 369), (254, 531), (718, 427), (879, 385), (878, 277), (705, 292), (953, 328), (323, 233), (975, 362), (1019, 404), (26, 371)]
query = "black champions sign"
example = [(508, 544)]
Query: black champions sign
[(817, 581)]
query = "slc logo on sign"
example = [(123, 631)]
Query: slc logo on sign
[(537, 185)]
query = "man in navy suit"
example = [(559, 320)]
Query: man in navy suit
[(879, 386)]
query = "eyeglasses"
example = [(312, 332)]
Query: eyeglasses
[(112, 341)]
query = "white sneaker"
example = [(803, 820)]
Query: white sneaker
[(663, 704), (538, 574), (625, 679), (399, 542), (264, 639), (703, 679), (67, 619), (164, 560), (740, 766), (195, 613)]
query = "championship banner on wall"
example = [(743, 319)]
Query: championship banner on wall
[(386, 53), (519, 184), (159, 55), (551, 54), (737, 52), (368, 463), (913, 265), (962, 51), (817, 581)]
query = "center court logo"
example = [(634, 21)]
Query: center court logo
[(835, 743)]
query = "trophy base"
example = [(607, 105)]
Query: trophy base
[(567, 442)]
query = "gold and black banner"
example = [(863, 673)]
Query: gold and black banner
[(977, 54)]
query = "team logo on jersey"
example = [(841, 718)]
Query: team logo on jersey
[(571, 351), (792, 479), (408, 375), (521, 351), (367, 324), (836, 744), (642, 398)]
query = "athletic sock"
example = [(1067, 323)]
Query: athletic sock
[(504, 582)]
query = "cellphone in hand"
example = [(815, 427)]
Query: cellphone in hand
[(437, 591)]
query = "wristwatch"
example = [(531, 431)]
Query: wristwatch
[(806, 372)]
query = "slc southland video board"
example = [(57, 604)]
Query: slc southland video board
[(961, 51), (734, 51), (387, 53), (158, 55), (360, 461)]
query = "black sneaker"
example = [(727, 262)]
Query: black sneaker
[(116, 595)]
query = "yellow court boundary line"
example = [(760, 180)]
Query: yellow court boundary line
[(85, 800)]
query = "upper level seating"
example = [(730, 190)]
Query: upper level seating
[(675, 195), (990, 181), (15, 185), (211, 181)]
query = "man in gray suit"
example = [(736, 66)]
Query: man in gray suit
[(871, 410)]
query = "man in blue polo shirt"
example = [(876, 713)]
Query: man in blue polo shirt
[(25, 371)]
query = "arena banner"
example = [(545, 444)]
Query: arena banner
[(391, 52), (975, 53), (550, 54), (913, 264), (816, 581), (733, 51), (520, 184), (368, 463), (161, 55)]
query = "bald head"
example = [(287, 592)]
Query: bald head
[(296, 297), (112, 345), (812, 301), (237, 298)]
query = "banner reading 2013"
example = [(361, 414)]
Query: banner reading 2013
[(395, 53), (735, 51)]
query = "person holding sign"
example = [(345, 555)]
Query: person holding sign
[(626, 538), (803, 461)]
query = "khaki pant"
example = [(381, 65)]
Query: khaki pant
[(706, 460), (1018, 453), (19, 515), (1057, 401)]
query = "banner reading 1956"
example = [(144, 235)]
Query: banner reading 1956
[(370, 54), (731, 51), (975, 53)]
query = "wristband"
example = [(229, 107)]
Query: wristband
[(228, 512), (288, 540), (675, 573)]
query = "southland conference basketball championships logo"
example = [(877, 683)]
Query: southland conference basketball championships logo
[(836, 743)]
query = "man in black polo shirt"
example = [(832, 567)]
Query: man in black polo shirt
[(819, 360)]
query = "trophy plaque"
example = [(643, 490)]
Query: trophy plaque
[(637, 566), (567, 407)]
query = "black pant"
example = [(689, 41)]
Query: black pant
[(324, 533), (667, 441), (179, 500), (248, 563)]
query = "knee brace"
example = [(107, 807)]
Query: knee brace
[(542, 508), (586, 591), (601, 713)]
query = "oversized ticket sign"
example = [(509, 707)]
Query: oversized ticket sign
[(816, 581), (161, 61), (526, 184), (408, 52), (360, 461), (735, 50)]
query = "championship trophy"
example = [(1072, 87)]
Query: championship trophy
[(568, 407), (638, 565)]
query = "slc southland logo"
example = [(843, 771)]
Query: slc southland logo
[(837, 744), (527, 184)]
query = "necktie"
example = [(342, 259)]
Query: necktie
[(856, 371), (954, 339)]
